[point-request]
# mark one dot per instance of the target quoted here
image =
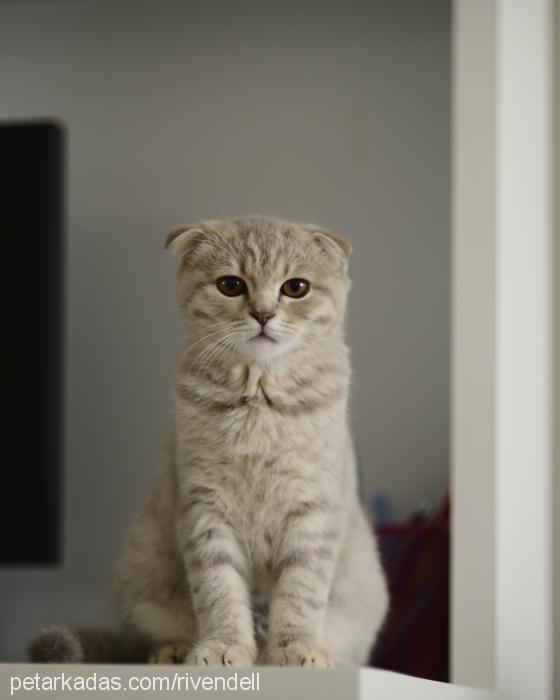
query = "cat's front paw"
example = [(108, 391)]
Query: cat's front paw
[(220, 654), (297, 654), (170, 654)]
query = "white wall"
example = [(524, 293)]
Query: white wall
[(313, 111)]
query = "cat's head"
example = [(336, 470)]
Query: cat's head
[(258, 288)]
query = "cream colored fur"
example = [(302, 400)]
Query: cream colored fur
[(256, 502)]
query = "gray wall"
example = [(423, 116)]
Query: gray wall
[(336, 113), (557, 346)]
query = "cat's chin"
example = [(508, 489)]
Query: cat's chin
[(263, 349)]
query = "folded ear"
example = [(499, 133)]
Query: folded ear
[(336, 247), (183, 239)]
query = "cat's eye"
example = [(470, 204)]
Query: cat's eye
[(231, 286), (296, 288)]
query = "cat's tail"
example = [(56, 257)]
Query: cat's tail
[(77, 645)]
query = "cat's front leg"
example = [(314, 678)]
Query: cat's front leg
[(299, 599), (216, 572)]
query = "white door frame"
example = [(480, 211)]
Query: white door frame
[(502, 454)]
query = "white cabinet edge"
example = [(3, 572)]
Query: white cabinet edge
[(384, 684)]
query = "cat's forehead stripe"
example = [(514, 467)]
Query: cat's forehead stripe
[(260, 251)]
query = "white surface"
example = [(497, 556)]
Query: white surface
[(379, 685), (509, 168), (274, 684), (313, 110), (524, 350), (473, 344)]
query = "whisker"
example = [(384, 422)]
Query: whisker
[(205, 349), (218, 353), (225, 333), (226, 217), (222, 323), (214, 352), (288, 328), (210, 335)]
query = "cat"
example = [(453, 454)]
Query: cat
[(252, 545)]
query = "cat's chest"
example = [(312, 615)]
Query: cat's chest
[(251, 426), (262, 511)]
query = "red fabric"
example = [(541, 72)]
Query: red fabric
[(415, 637)]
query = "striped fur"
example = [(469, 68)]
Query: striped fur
[(255, 503)]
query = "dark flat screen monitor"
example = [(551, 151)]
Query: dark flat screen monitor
[(31, 199)]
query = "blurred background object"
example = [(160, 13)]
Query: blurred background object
[(415, 555), (178, 109)]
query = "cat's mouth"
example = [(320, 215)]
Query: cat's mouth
[(263, 335)]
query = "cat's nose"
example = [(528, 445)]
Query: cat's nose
[(262, 316)]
